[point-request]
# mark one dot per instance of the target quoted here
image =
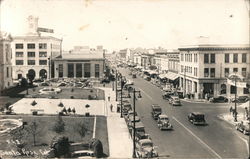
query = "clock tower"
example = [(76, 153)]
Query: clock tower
[(32, 26)]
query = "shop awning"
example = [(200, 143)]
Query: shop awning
[(172, 76)]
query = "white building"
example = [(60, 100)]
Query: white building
[(5, 62), (205, 68), (32, 53)]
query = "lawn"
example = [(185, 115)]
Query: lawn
[(45, 132)]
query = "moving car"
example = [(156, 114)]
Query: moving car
[(243, 127), (62, 84), (156, 111), (174, 100), (219, 99), (167, 95), (197, 118), (145, 149), (163, 122)]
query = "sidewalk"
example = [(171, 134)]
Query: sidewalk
[(229, 118), (120, 142), (195, 100)]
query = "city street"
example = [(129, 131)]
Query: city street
[(218, 139)]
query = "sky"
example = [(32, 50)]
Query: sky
[(119, 24)]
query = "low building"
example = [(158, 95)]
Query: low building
[(204, 69), (5, 62), (80, 65)]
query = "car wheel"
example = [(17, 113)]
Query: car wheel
[(244, 132)]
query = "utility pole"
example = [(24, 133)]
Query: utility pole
[(235, 103), (184, 83)]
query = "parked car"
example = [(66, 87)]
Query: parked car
[(131, 120), (174, 100), (219, 99), (139, 130), (130, 113), (243, 127), (134, 75), (147, 78), (156, 111), (197, 118), (241, 99), (163, 122), (44, 84), (62, 84), (105, 80), (145, 149), (167, 95), (126, 108)]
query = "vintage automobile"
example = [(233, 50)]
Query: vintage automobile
[(145, 149), (197, 118), (243, 127), (126, 107), (163, 122), (131, 120), (219, 99), (241, 99), (174, 100), (130, 113), (133, 75), (147, 78), (139, 130), (156, 111), (167, 95)]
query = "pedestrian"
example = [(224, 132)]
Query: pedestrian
[(111, 107), (109, 98), (231, 110)]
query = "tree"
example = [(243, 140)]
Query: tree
[(81, 129), (69, 110), (59, 125), (60, 145), (34, 130), (64, 110), (19, 136), (74, 111)]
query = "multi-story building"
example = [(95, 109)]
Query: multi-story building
[(80, 65), (5, 62), (204, 69), (32, 53)]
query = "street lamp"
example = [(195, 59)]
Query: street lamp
[(134, 98), (49, 68)]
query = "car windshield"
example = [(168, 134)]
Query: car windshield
[(147, 144)]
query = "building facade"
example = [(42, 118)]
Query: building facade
[(5, 62), (80, 65), (204, 69)]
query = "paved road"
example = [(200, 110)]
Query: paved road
[(217, 140)]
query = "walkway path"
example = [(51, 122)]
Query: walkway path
[(120, 142)]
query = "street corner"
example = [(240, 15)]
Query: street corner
[(229, 118)]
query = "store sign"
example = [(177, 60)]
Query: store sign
[(45, 30), (238, 84)]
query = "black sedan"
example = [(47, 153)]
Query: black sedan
[(219, 99)]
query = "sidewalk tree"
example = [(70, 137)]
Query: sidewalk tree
[(69, 110), (59, 125), (74, 111)]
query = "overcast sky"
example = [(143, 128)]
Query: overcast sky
[(118, 24)]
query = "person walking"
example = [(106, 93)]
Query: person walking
[(109, 98), (111, 108)]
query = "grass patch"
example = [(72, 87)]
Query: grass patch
[(45, 133)]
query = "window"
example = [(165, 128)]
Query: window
[(206, 72), (97, 70), (212, 58), (78, 70), (244, 58), (191, 57), (42, 62), (233, 90), (19, 46), (226, 72), (70, 70), (235, 70), (181, 68), (244, 72), (60, 70), (235, 58), (31, 62), (223, 89), (42, 54), (227, 58), (7, 72), (181, 57), (31, 46), (206, 58), (42, 46), (195, 87), (195, 58), (19, 62), (87, 70), (31, 54), (212, 72), (195, 71), (246, 91), (19, 54)]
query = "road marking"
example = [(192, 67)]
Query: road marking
[(198, 138), (94, 127), (246, 142), (146, 94)]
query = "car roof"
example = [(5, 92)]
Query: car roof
[(145, 141), (197, 113), (163, 116)]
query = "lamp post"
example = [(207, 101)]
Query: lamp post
[(116, 78), (49, 68), (134, 98)]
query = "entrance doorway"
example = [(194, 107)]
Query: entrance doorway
[(208, 89)]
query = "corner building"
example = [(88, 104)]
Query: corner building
[(205, 69)]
